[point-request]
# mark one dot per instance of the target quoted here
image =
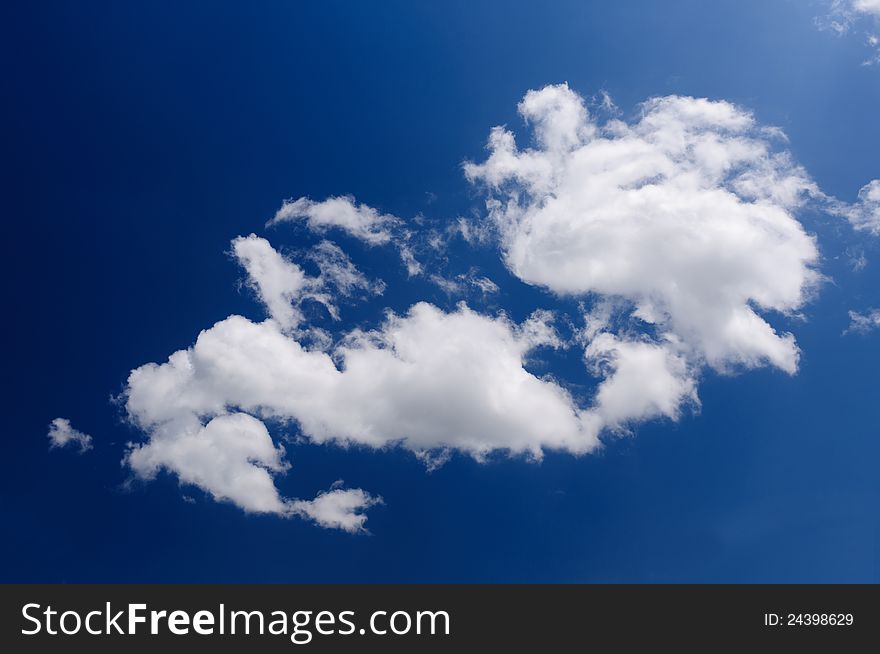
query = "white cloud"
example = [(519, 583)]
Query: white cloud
[(864, 215), (282, 285), (643, 380), (62, 433), (686, 213), (867, 6), (474, 232), (358, 220), (864, 15), (843, 14), (413, 266), (426, 380), (429, 381), (486, 285), (862, 323), (337, 509), (677, 230), (449, 286), (232, 457), (340, 274), (461, 284)]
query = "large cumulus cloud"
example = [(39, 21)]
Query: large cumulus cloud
[(429, 381), (686, 213), (676, 232)]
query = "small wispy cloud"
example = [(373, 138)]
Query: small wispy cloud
[(61, 433), (862, 323), (859, 16)]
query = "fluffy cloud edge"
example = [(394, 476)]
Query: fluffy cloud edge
[(686, 213)]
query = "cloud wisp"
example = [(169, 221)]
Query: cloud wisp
[(61, 434), (862, 323), (861, 16), (864, 213)]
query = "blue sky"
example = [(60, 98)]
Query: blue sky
[(142, 140)]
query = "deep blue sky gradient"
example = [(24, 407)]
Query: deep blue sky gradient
[(139, 138)]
